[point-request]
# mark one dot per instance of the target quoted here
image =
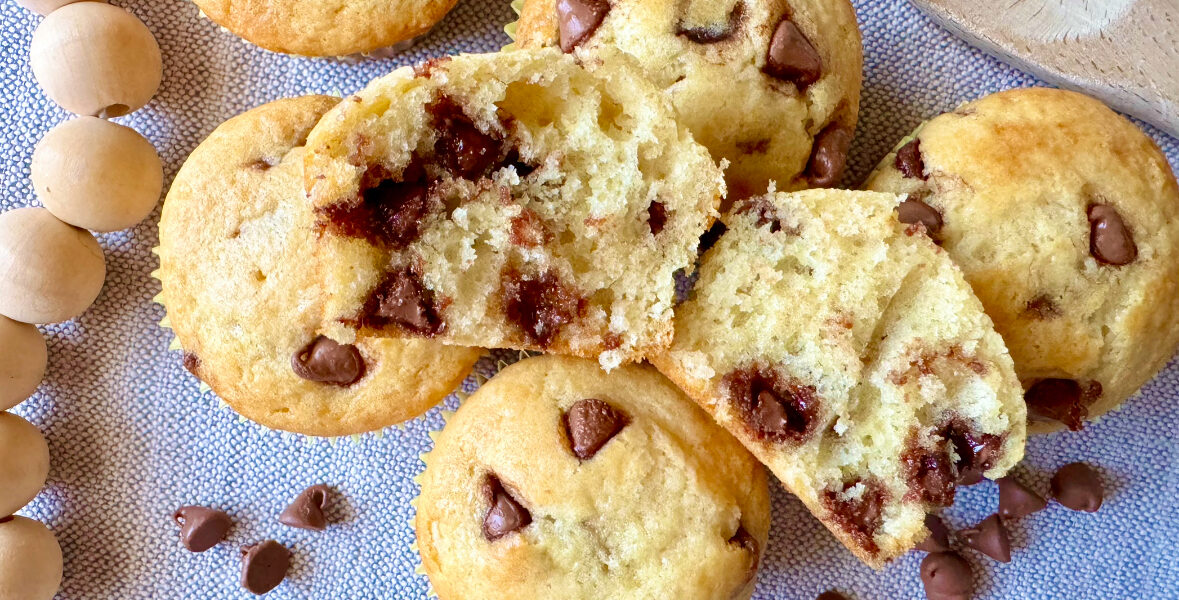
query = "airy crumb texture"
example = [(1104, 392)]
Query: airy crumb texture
[(709, 58), (847, 353), (511, 200), (240, 286), (668, 506), (1031, 188)]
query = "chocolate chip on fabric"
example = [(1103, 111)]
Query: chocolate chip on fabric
[(946, 576), (325, 361), (791, 56), (939, 535), (307, 510), (264, 566), (989, 537), (590, 423), (1110, 240), (505, 514), (577, 20), (831, 595), (1016, 500), (915, 211), (201, 528), (1078, 487), (909, 162), (829, 156)]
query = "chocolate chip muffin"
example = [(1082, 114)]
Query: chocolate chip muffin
[(326, 27), (558, 480), (240, 287), (1064, 217), (511, 200), (771, 86), (847, 353)]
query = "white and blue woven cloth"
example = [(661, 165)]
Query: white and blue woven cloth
[(132, 437)]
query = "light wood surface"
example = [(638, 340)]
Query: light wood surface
[(1125, 52)]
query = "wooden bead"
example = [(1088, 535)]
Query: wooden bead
[(24, 463), (44, 7), (51, 271), (30, 560), (96, 174), (22, 361), (96, 59)]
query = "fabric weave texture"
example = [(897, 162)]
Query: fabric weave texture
[(132, 438)]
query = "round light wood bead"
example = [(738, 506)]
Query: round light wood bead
[(24, 463), (44, 7), (51, 271), (96, 59), (30, 560), (23, 358), (96, 174)]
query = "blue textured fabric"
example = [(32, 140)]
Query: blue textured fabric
[(132, 438)]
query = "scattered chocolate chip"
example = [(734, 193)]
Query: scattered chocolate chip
[(939, 535), (1042, 308), (402, 300), (461, 147), (859, 515), (579, 19), (264, 566), (306, 512), (946, 576), (976, 452), (1110, 241), (831, 595), (909, 161), (1078, 487), (772, 407), (590, 424), (989, 537), (389, 210), (1016, 500), (1063, 400), (829, 156), (716, 33), (201, 528), (766, 211), (791, 56), (915, 211), (192, 363), (325, 361), (931, 475), (522, 168), (539, 305), (505, 514), (656, 217)]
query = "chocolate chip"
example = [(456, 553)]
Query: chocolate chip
[(791, 56), (931, 475), (915, 211), (829, 156), (1042, 308), (402, 300), (831, 595), (505, 514), (590, 424), (859, 515), (656, 217), (977, 452), (192, 363), (1078, 487), (743, 539), (939, 535), (764, 209), (264, 566), (388, 211), (325, 361), (201, 528), (772, 407), (306, 512), (946, 576), (461, 147), (1016, 500), (1063, 400), (989, 537), (539, 305), (579, 19), (716, 33), (909, 161), (709, 238), (1110, 241)]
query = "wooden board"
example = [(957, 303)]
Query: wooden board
[(1125, 52)]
